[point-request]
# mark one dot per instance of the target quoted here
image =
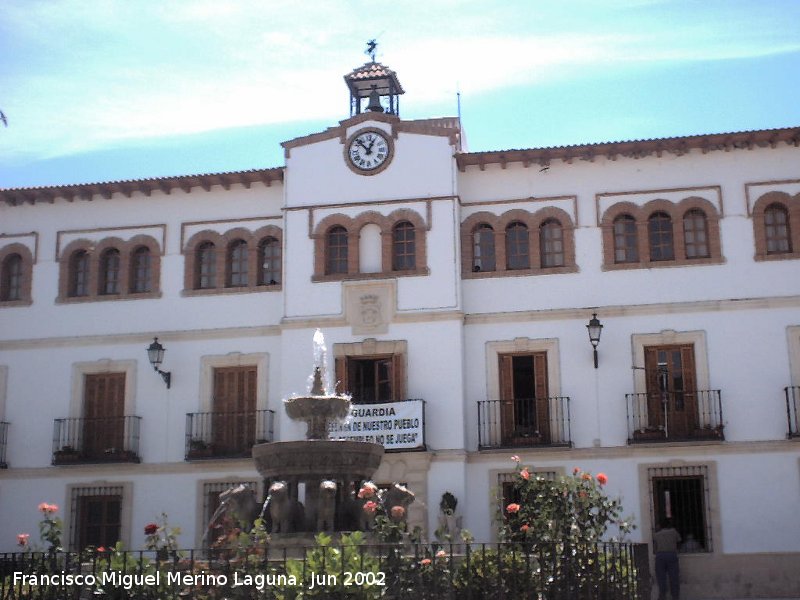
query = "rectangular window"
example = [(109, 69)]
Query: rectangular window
[(680, 494), (96, 516), (507, 493), (372, 379), (211, 492)]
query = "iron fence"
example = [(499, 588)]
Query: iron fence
[(227, 434), (793, 409), (675, 416), (94, 440), (524, 422), (609, 571)]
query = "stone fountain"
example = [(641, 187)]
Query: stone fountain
[(311, 467)]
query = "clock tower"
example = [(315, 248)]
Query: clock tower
[(376, 84)]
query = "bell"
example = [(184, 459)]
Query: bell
[(374, 101)]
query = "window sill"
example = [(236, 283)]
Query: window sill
[(106, 298), (21, 302), (231, 290), (662, 264), (362, 276), (777, 256), (520, 272)]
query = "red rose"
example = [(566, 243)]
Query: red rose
[(150, 529), (602, 479)]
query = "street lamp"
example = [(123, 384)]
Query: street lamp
[(155, 353), (595, 329)]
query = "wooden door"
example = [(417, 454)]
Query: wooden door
[(233, 422), (524, 403), (671, 387), (103, 414)]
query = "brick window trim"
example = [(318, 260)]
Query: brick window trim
[(95, 252), (386, 224), (676, 212), (24, 252), (792, 206), (222, 242), (533, 221)]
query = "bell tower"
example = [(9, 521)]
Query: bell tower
[(375, 83)]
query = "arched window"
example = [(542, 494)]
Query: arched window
[(11, 278), (79, 274), (403, 247), (776, 229), (206, 266), (269, 262), (336, 250), (695, 234), (517, 246), (626, 241), (109, 272), (237, 264), (483, 252), (551, 243), (659, 234), (141, 271)]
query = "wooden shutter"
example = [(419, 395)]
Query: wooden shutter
[(341, 385), (399, 372), (506, 400), (542, 396)]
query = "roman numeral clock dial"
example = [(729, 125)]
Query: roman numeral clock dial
[(369, 152)]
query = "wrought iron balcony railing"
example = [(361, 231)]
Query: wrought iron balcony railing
[(675, 416), (524, 422), (96, 440), (226, 434), (793, 409), (3, 443)]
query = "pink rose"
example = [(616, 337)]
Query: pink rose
[(515, 458), (22, 539), (525, 474), (425, 562), (397, 512), (602, 479), (512, 508), (370, 507)]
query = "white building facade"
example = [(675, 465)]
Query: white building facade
[(454, 286)]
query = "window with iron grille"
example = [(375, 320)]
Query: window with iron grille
[(109, 272), (626, 241), (269, 261), (681, 495), (403, 247), (695, 234), (206, 266), (517, 246), (11, 278), (141, 271), (336, 250), (659, 230), (505, 484), (95, 516), (551, 242), (211, 492), (483, 253), (79, 274), (776, 229)]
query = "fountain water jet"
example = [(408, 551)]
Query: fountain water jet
[(318, 461)]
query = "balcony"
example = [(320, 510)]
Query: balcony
[(399, 426), (675, 416), (793, 409), (524, 422), (3, 443), (226, 434), (96, 440)]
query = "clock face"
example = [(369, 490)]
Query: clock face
[(369, 151)]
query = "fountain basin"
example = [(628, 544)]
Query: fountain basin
[(332, 459)]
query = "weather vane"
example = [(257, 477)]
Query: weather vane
[(370, 51)]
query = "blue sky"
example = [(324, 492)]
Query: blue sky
[(100, 90)]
